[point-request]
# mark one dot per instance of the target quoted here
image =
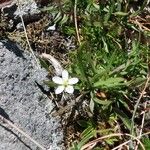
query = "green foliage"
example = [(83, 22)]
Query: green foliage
[(123, 117), (44, 64), (109, 83), (146, 142), (86, 135), (61, 11), (105, 61)]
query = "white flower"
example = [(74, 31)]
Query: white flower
[(65, 83)]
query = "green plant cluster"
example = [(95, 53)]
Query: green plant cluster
[(111, 63)]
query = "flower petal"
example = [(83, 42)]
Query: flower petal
[(57, 80), (73, 81), (65, 75), (59, 89), (69, 89), (51, 28)]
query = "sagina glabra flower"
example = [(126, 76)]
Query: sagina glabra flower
[(64, 83)]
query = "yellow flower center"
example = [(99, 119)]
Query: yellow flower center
[(65, 83)]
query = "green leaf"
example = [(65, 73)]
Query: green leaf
[(111, 141), (96, 6), (49, 8), (146, 142), (137, 82), (87, 131), (109, 83), (57, 18), (97, 24), (102, 102), (84, 123), (50, 83), (82, 66), (86, 136), (120, 13), (64, 19), (92, 105), (123, 117), (105, 45), (75, 147), (44, 64)]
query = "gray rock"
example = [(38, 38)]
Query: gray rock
[(28, 7), (21, 7), (29, 10), (24, 104)]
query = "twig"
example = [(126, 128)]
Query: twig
[(143, 119), (137, 103), (75, 21), (22, 132), (111, 135), (147, 133), (25, 32), (122, 144), (137, 22), (54, 62), (119, 146), (6, 4), (142, 125), (64, 109)]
